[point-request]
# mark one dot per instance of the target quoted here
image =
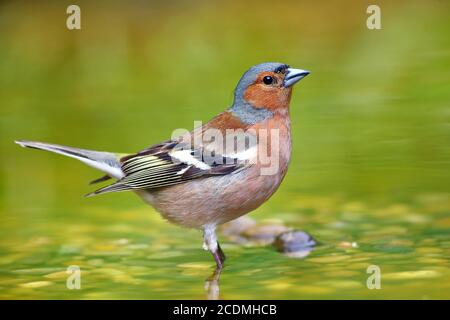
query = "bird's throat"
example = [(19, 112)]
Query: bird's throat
[(248, 114)]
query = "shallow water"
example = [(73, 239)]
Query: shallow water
[(134, 254), (369, 166)]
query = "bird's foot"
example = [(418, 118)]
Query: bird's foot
[(219, 257)]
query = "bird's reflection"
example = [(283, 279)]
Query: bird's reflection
[(212, 288), (295, 244), (212, 283)]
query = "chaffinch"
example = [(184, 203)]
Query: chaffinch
[(217, 172)]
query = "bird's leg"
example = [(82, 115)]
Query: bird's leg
[(210, 243), (220, 253)]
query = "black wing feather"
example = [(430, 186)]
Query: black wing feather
[(155, 167)]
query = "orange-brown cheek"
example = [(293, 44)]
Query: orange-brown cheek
[(271, 98)]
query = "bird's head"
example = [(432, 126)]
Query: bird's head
[(267, 86)]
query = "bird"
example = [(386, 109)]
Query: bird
[(216, 172)]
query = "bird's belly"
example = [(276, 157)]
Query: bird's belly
[(213, 200)]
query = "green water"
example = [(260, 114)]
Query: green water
[(370, 159)]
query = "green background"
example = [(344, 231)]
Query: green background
[(370, 159)]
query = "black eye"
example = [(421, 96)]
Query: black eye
[(268, 80)]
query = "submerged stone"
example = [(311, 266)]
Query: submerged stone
[(294, 243)]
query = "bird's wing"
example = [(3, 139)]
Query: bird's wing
[(168, 164)]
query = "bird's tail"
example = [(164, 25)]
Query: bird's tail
[(104, 161)]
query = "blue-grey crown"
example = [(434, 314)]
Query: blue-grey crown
[(250, 76), (241, 108)]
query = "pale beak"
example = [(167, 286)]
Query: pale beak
[(293, 76)]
